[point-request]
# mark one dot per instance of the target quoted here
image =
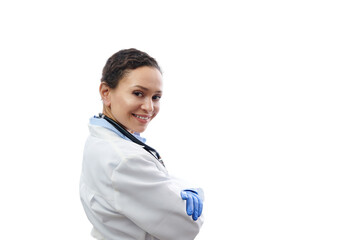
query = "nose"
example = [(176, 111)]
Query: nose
[(148, 105)]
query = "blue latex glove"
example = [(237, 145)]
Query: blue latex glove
[(194, 203)]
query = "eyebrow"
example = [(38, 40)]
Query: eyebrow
[(145, 89)]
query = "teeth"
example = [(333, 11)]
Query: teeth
[(144, 118)]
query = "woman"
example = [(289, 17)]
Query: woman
[(125, 188)]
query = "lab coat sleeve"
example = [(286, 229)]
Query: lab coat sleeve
[(150, 198)]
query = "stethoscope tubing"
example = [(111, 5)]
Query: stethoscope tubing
[(121, 129)]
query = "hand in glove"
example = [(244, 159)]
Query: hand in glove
[(194, 203)]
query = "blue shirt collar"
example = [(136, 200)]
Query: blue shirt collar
[(104, 123)]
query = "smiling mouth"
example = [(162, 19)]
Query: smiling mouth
[(141, 117)]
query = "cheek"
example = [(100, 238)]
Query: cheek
[(120, 106), (121, 102), (156, 109)]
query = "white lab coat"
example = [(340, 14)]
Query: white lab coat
[(128, 195)]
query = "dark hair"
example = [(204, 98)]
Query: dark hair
[(122, 62)]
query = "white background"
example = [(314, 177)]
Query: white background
[(261, 108)]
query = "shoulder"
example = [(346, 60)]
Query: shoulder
[(104, 147), (104, 152), (105, 143)]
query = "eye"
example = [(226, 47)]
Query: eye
[(157, 97), (138, 93)]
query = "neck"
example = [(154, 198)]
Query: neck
[(107, 112)]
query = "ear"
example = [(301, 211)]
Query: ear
[(104, 91)]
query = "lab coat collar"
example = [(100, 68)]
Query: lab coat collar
[(104, 123)]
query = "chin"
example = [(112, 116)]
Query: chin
[(141, 130), (138, 129)]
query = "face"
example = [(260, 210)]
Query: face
[(136, 99)]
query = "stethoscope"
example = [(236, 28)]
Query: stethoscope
[(121, 129)]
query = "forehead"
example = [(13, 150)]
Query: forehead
[(147, 77)]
